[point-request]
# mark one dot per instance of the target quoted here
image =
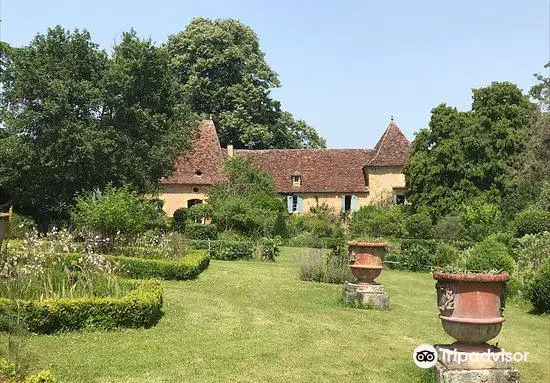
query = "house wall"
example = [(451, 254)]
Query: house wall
[(383, 181), (176, 196), (333, 200)]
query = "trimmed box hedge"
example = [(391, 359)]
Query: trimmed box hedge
[(188, 267), (140, 308)]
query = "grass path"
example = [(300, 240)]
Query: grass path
[(257, 322)]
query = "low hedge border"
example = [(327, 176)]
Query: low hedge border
[(140, 308), (189, 267)]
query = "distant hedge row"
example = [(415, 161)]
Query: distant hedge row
[(228, 250), (188, 267), (140, 308)]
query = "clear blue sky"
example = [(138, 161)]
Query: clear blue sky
[(345, 67)]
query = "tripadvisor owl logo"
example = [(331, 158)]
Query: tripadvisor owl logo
[(425, 356)]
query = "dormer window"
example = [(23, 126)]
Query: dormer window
[(198, 173), (296, 180)]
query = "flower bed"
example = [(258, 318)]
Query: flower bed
[(139, 308)]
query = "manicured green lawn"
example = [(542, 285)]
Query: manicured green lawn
[(257, 322)]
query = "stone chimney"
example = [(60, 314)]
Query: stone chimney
[(230, 151)]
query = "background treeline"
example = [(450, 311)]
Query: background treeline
[(75, 118)]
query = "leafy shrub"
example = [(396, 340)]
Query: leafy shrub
[(490, 255), (199, 212), (9, 374), (378, 221), (267, 249), (247, 201), (446, 255), (20, 226), (479, 218), (230, 235), (392, 259), (419, 226), (339, 247), (232, 250), (179, 220), (141, 307), (42, 377), (417, 255), (115, 211), (531, 251), (319, 266), (448, 229), (235, 246), (308, 240), (280, 228), (201, 231), (532, 221), (539, 290)]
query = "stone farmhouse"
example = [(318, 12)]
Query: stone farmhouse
[(344, 179)]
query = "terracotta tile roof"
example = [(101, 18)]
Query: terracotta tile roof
[(321, 170), (202, 165), (392, 149)]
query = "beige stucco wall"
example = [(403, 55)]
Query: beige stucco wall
[(382, 182), (176, 196), (333, 200)]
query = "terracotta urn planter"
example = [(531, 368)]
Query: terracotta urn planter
[(4, 221), (471, 305), (366, 260)]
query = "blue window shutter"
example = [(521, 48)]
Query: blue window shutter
[(299, 204), (289, 203), (354, 203), (343, 204)]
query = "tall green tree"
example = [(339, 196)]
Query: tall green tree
[(464, 154), (143, 111), (74, 119), (224, 76), (532, 178), (51, 97), (247, 200)]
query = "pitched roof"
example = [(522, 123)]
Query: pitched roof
[(392, 149), (321, 170), (203, 164)]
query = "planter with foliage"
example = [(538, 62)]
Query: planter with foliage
[(470, 305), (366, 260), (471, 298), (4, 222)]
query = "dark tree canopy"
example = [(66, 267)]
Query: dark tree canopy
[(224, 76), (532, 175), (463, 154), (74, 119), (247, 201)]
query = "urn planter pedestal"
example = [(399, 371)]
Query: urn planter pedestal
[(470, 308), (456, 367), (4, 222), (366, 264)]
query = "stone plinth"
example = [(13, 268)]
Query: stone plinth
[(487, 365), (366, 295)]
